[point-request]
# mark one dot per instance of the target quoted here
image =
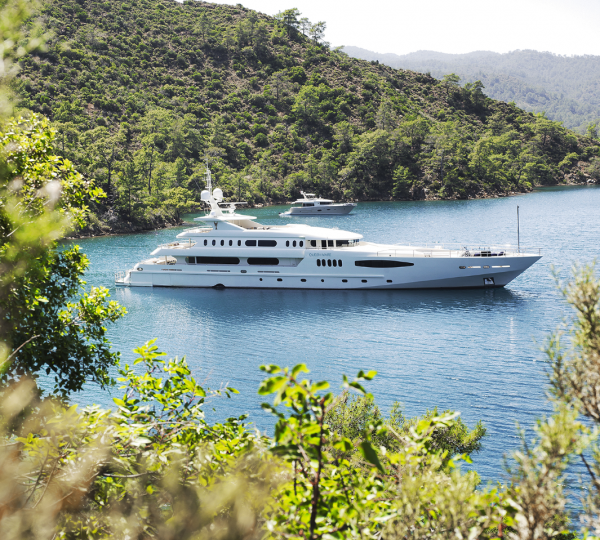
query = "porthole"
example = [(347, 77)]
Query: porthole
[(303, 280), (340, 263), (279, 279), (287, 243), (214, 242), (334, 263), (318, 262), (323, 262), (462, 267), (206, 242), (389, 280), (301, 243), (329, 262), (260, 279), (239, 242), (294, 243), (344, 281), (222, 242), (322, 281), (364, 280), (231, 242), (140, 269)]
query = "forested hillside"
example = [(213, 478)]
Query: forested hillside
[(141, 92), (566, 88)]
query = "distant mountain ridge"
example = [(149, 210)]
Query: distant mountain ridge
[(567, 88)]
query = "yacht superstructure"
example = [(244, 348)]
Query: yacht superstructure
[(233, 250), (311, 205)]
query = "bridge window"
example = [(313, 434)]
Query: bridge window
[(239, 242), (323, 243)]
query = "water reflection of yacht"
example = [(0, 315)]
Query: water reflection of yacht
[(311, 205), (233, 250)]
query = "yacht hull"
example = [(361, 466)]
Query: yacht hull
[(420, 273)]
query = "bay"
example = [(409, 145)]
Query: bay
[(476, 352)]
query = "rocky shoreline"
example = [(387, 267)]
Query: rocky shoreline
[(109, 224)]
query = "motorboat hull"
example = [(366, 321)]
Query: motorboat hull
[(330, 210), (425, 273)]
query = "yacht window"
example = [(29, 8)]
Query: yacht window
[(239, 242), (206, 242), (307, 204), (323, 262), (323, 203), (217, 260), (287, 243), (267, 243), (301, 243), (250, 242), (342, 243), (214, 242), (328, 262), (231, 242), (330, 243), (222, 242), (318, 262), (340, 263), (294, 243), (263, 261), (190, 260), (323, 243), (313, 243), (382, 263), (334, 262)]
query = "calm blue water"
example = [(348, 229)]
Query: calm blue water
[(471, 351)]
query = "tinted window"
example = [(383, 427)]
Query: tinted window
[(313, 243), (382, 263), (341, 243), (263, 261), (214, 242), (334, 262), (318, 262), (301, 243), (217, 260), (323, 243), (287, 243), (340, 263), (328, 262), (239, 242), (250, 242), (222, 242), (205, 242), (330, 243), (190, 260), (231, 242), (267, 243), (294, 243)]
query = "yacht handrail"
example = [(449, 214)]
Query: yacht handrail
[(464, 251), (178, 245)]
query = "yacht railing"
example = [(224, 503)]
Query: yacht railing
[(178, 245), (460, 251), (120, 277)]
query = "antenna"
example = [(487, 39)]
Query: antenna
[(518, 231)]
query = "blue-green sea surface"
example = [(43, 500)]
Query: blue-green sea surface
[(476, 352)]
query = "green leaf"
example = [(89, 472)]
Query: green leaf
[(369, 453)]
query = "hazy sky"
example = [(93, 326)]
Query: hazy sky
[(453, 26)]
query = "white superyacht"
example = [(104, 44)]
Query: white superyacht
[(311, 205), (233, 250)]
